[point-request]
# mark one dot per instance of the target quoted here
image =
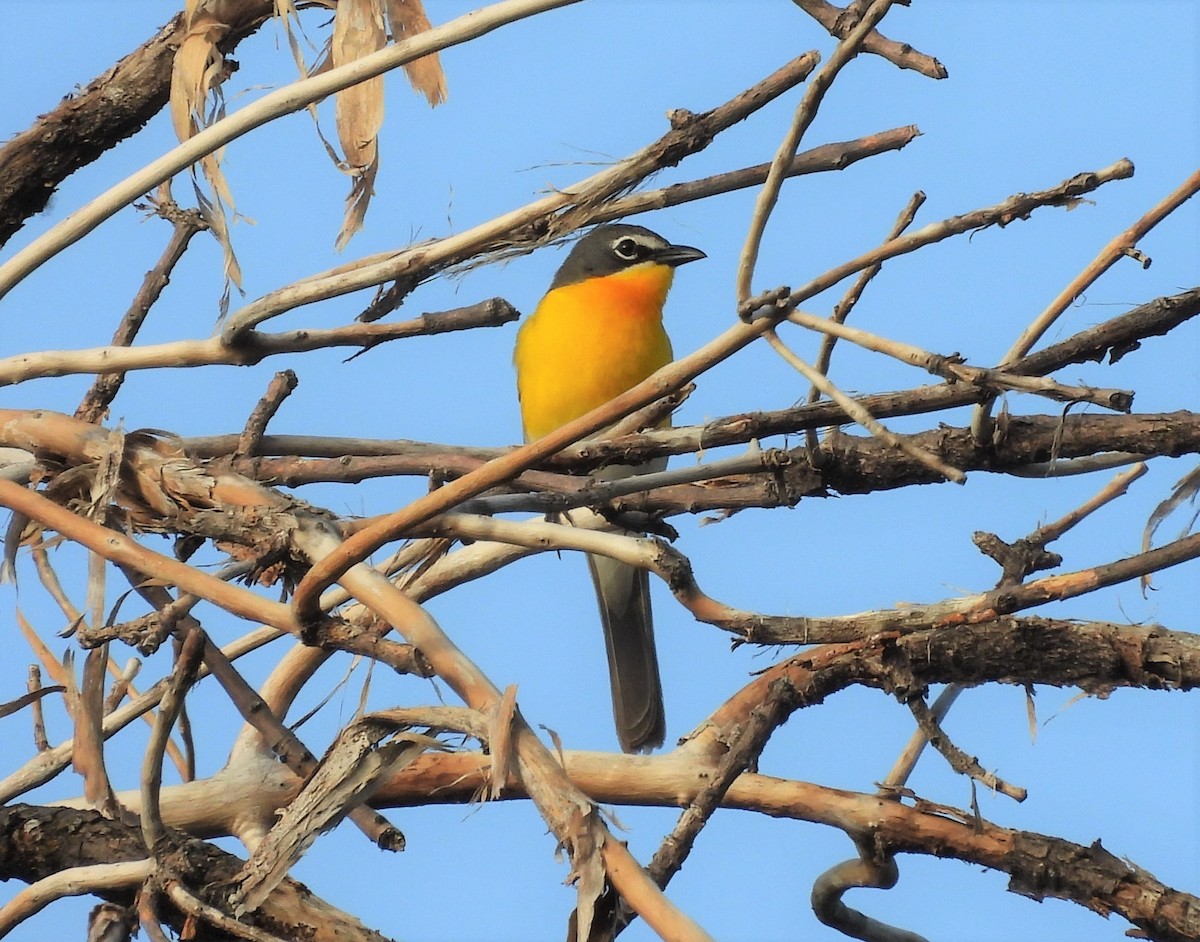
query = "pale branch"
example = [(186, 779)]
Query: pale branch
[(248, 350), (34, 685), (899, 54), (97, 879), (906, 762), (273, 105), (955, 370)]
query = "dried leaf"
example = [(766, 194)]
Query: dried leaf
[(358, 30), (584, 839), (407, 18), (500, 739), (197, 74), (359, 198), (1186, 489), (286, 13)]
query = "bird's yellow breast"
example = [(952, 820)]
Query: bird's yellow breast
[(588, 342)]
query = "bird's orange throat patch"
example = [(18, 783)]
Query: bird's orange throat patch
[(644, 286), (590, 341)]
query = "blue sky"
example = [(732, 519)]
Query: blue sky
[(1038, 91)]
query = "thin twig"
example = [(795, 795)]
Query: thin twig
[(814, 94), (281, 386), (842, 309), (1115, 488), (743, 753), (959, 760), (953, 369), (1119, 247), (203, 912), (33, 685), (861, 415), (185, 224), (46, 765), (826, 157), (903, 767)]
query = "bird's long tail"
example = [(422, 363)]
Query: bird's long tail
[(623, 593)]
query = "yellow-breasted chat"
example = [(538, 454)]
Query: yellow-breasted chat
[(596, 333)]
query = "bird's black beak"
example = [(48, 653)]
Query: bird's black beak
[(676, 255)]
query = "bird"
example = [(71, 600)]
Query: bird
[(597, 332)]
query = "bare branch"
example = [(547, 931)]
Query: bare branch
[(899, 54), (249, 350)]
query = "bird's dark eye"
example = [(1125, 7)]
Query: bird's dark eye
[(627, 250)]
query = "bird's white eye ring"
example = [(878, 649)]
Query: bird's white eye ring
[(626, 249)]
